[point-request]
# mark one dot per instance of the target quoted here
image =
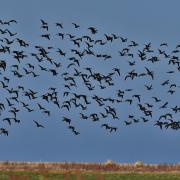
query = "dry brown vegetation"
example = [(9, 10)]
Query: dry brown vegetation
[(46, 167)]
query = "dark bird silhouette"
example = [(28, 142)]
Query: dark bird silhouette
[(40, 107), (148, 87), (93, 30), (128, 123), (60, 35), (113, 129), (47, 36), (165, 83), (3, 64), (8, 120), (38, 125), (117, 70), (72, 128), (75, 25), (59, 25), (159, 123), (61, 52), (67, 120), (150, 73), (106, 126), (10, 33), (13, 21), (123, 39), (3, 84), (144, 119), (137, 96), (4, 131), (43, 22), (163, 44), (156, 99), (164, 105)]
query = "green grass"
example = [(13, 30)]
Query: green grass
[(26, 175)]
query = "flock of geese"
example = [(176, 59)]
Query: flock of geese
[(75, 67)]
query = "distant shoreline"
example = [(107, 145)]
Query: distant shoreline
[(108, 166)]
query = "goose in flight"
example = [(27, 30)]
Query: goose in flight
[(38, 125)]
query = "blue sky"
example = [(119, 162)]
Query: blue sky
[(142, 21)]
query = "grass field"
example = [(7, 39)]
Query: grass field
[(87, 171), (25, 175)]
